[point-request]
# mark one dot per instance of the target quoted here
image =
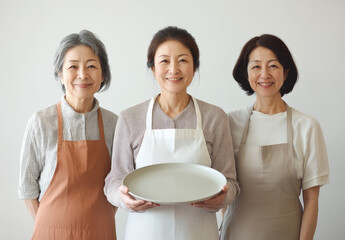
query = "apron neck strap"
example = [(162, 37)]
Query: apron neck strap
[(150, 113), (246, 126), (289, 125), (100, 125), (60, 124)]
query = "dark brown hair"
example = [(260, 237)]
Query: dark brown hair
[(278, 47), (173, 33)]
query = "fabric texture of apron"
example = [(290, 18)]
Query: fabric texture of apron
[(268, 207), (74, 205), (172, 222)]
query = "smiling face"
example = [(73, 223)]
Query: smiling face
[(173, 67), (81, 74), (265, 74)]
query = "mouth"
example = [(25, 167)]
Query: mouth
[(265, 84), (174, 79), (83, 85)]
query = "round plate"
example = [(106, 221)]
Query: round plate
[(174, 183)]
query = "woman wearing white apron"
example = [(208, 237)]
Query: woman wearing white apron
[(278, 151), (172, 127)]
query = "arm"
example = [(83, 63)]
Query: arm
[(30, 168), (122, 163), (309, 217), (222, 156), (32, 205)]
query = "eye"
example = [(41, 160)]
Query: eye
[(164, 61), (273, 66), (182, 60), (72, 67), (255, 67), (91, 66)]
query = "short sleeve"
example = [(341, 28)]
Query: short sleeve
[(30, 160), (315, 161)]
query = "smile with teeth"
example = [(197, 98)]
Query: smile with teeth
[(265, 84), (174, 79)]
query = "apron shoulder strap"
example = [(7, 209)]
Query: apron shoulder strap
[(100, 125), (60, 123)]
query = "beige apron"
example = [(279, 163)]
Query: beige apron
[(268, 207), (179, 222), (74, 205)]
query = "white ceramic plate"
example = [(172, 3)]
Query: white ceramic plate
[(174, 183)]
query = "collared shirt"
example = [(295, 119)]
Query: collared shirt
[(39, 149)]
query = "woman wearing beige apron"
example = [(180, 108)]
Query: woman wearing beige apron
[(66, 152), (279, 151), (172, 127)]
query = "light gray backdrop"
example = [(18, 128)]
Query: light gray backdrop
[(31, 31)]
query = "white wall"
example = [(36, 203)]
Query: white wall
[(31, 31)]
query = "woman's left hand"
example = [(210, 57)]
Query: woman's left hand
[(213, 204)]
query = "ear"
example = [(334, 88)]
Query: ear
[(153, 70), (61, 78), (286, 73)]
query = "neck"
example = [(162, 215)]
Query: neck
[(83, 105), (269, 105), (173, 104)]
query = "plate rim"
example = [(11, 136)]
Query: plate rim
[(191, 165)]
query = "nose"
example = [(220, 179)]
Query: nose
[(264, 72), (82, 73), (173, 67)]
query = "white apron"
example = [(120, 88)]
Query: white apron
[(268, 207), (172, 222)]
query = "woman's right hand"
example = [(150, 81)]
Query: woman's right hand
[(132, 203)]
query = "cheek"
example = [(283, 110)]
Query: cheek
[(159, 72), (251, 78)]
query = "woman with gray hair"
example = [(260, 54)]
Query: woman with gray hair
[(66, 150)]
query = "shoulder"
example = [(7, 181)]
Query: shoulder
[(108, 116), (135, 115), (44, 117), (237, 118), (303, 121), (136, 111), (210, 112), (239, 115)]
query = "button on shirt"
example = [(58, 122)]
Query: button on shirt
[(38, 153)]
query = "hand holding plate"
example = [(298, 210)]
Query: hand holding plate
[(132, 203), (215, 203)]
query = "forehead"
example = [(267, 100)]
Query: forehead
[(80, 52), (172, 47), (262, 53)]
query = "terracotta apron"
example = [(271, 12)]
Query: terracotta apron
[(180, 222), (268, 207), (74, 205)]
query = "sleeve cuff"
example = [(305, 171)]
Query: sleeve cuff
[(319, 181), (25, 195)]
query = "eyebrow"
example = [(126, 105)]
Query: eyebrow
[(184, 54), (89, 60), (271, 60)]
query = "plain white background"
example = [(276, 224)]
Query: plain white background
[(31, 31)]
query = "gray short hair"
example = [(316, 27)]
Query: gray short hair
[(85, 38)]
